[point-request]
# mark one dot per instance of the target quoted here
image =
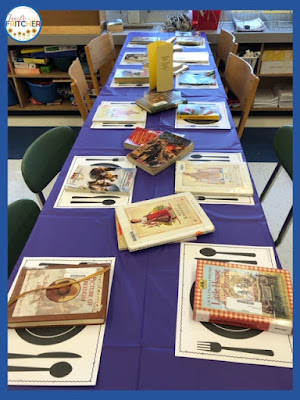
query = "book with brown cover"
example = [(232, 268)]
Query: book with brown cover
[(78, 303), (157, 154), (154, 101)]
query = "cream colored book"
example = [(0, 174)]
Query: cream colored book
[(119, 112), (162, 220), (200, 57), (213, 178)]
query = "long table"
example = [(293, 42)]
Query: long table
[(138, 349)]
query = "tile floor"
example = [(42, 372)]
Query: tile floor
[(276, 205)]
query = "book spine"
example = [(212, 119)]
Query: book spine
[(32, 50), (36, 60), (31, 71), (24, 65), (198, 117)]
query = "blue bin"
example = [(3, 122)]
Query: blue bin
[(43, 93), (12, 97)]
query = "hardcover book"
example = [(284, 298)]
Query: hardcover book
[(192, 111), (119, 112), (98, 179), (139, 137), (157, 154), (200, 57), (78, 303), (131, 76), (143, 39), (190, 41), (246, 296), (213, 178), (162, 220), (136, 58), (199, 78), (154, 101)]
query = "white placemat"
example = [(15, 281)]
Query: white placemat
[(190, 333), (66, 198), (85, 342)]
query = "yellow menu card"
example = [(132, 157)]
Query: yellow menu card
[(160, 56)]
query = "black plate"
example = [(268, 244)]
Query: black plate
[(231, 332), (49, 335)]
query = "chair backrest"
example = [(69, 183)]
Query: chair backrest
[(283, 147), (22, 215), (240, 79), (45, 157), (80, 88), (226, 45), (99, 52)]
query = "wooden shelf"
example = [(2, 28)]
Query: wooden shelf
[(275, 75), (65, 106), (287, 109)]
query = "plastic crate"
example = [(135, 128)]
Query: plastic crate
[(46, 92), (251, 60)]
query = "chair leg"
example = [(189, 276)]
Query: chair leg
[(269, 183), (284, 227), (41, 199)]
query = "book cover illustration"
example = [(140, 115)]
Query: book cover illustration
[(192, 111), (198, 78), (119, 112), (131, 76), (244, 296), (139, 137), (78, 303), (160, 152), (154, 101), (143, 39), (98, 179), (190, 41), (213, 178), (134, 58)]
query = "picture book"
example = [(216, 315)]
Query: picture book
[(199, 78), (120, 237), (210, 178), (136, 58), (193, 111), (119, 112), (98, 179), (143, 39), (60, 295), (139, 137), (154, 101), (131, 76), (190, 41), (199, 57), (157, 154), (245, 296), (162, 220)]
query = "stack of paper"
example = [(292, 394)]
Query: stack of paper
[(159, 221), (265, 98), (285, 94)]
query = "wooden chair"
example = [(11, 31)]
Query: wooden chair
[(226, 45), (100, 51), (241, 81), (80, 88)]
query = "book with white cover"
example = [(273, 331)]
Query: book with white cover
[(199, 57), (213, 178), (162, 220)]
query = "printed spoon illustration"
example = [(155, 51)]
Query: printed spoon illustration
[(58, 370), (204, 156), (107, 202), (209, 252)]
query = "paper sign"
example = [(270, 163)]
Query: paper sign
[(160, 56)]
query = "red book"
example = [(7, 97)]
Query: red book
[(139, 137)]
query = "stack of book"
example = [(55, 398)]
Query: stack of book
[(159, 221), (213, 178), (37, 60), (285, 94), (154, 101), (160, 152), (115, 26), (245, 296), (135, 76)]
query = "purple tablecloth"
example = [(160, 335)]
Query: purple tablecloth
[(138, 349)]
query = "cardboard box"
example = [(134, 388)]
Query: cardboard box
[(276, 67), (277, 55)]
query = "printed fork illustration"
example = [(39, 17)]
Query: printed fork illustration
[(216, 348)]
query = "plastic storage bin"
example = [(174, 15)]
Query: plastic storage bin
[(12, 97), (206, 20), (44, 91)]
